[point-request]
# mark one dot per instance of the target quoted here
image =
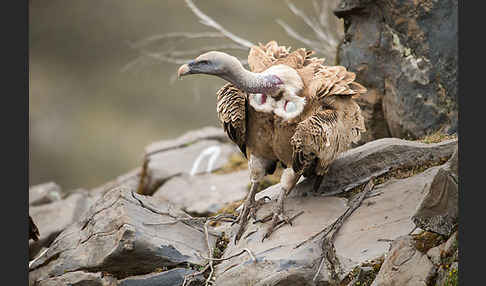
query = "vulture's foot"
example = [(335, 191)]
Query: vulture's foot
[(278, 217), (250, 207)]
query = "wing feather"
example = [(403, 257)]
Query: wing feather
[(232, 114)]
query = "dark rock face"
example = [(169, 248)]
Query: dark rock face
[(405, 53)]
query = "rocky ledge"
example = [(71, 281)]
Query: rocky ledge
[(386, 214)]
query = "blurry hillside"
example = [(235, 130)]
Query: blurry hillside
[(89, 119)]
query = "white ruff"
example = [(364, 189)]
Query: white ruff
[(297, 100), (267, 107), (292, 85)]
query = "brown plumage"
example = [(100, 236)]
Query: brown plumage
[(290, 108)]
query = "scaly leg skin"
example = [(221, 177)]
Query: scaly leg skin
[(257, 168), (288, 180)]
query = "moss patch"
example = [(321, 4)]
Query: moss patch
[(236, 162), (397, 173), (364, 278), (436, 137), (426, 240), (220, 246)]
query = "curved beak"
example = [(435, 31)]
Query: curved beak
[(183, 70)]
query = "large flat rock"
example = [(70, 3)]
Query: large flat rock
[(358, 165), (123, 234), (276, 258), (383, 216), (204, 193)]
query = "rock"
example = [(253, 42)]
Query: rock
[(434, 254), (205, 133), (276, 260), (44, 193), (404, 265), (204, 193), (166, 278), (444, 253), (358, 165), (439, 209), (365, 235), (196, 158), (406, 54), (129, 180), (54, 217), (80, 278), (123, 234)]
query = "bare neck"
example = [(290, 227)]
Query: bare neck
[(251, 82)]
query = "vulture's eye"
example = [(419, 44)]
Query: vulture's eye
[(290, 106)]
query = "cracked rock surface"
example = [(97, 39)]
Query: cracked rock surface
[(113, 236), (123, 234), (383, 217)]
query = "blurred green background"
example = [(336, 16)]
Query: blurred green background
[(90, 117)]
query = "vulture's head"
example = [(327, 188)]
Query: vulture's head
[(211, 63), (278, 89)]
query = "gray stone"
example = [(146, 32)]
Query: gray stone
[(358, 165), (54, 217), (444, 252), (406, 54), (277, 262), (196, 158), (383, 216), (80, 278), (204, 193), (123, 234), (205, 133), (439, 210), (173, 277), (44, 193), (405, 265), (129, 180)]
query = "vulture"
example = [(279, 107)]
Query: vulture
[(288, 108), (33, 230)]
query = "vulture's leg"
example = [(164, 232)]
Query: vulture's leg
[(258, 169), (288, 180)]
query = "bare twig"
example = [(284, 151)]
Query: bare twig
[(232, 256), (325, 28), (176, 36), (334, 227), (210, 249), (328, 251), (208, 21), (291, 32)]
